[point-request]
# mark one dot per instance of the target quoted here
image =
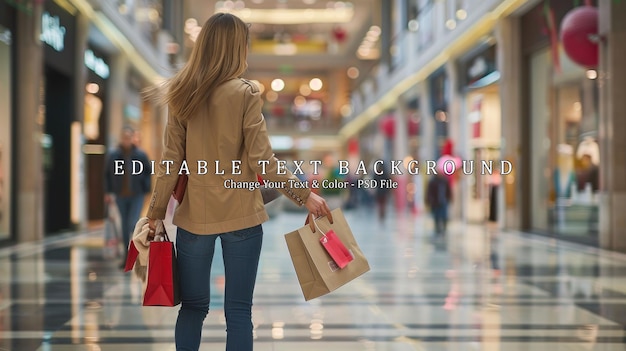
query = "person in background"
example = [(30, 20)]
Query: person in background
[(214, 114), (128, 191), (438, 198), (381, 193)]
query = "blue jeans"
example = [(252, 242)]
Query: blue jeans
[(130, 209), (240, 250), (440, 215)]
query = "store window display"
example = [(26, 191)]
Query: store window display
[(566, 156)]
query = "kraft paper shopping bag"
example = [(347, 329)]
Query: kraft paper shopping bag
[(318, 274)]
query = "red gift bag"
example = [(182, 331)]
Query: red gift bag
[(162, 287), (336, 249), (333, 245)]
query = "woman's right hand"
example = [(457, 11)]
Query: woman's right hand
[(317, 205)]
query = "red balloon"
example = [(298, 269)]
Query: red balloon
[(577, 27)]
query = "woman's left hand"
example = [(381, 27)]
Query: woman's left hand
[(152, 224)]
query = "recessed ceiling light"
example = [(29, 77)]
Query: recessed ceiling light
[(316, 84), (278, 84), (353, 73)]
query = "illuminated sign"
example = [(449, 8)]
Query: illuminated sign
[(52, 32), (96, 64)]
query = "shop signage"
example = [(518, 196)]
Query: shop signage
[(5, 36), (52, 32), (474, 68), (96, 64), (478, 69)]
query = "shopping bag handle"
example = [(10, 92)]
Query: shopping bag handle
[(310, 220), (161, 226)]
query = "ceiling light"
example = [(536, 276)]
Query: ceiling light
[(346, 110), (257, 1), (316, 84), (451, 24), (592, 74), (353, 73), (239, 4), (93, 88), (293, 16), (271, 96), (299, 101), (305, 90), (190, 24), (309, 2), (376, 29), (461, 14), (278, 84), (414, 26), (285, 49)]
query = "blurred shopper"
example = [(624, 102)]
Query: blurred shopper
[(127, 185), (381, 192), (438, 198), (216, 115)]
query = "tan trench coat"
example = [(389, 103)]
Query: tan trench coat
[(231, 128)]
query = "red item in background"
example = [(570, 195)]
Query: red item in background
[(577, 29), (476, 130), (387, 125), (162, 287), (447, 148)]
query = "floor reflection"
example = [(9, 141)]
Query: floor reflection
[(475, 289)]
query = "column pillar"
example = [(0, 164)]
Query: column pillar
[(509, 62), (400, 151), (427, 126), (387, 29), (29, 127), (456, 131), (120, 67), (80, 79), (612, 128)]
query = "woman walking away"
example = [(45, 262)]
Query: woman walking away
[(215, 115)]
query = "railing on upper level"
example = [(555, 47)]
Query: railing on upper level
[(436, 26)]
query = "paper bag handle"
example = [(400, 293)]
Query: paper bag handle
[(311, 221)]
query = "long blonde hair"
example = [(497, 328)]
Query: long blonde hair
[(218, 55)]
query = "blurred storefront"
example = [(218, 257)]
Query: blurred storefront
[(7, 54), (480, 100), (439, 104), (59, 45), (563, 110), (95, 126)]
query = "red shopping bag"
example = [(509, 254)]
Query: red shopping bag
[(333, 245), (131, 257), (162, 288)]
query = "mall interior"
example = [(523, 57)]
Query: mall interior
[(519, 102)]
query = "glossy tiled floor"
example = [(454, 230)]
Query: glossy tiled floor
[(421, 294)]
